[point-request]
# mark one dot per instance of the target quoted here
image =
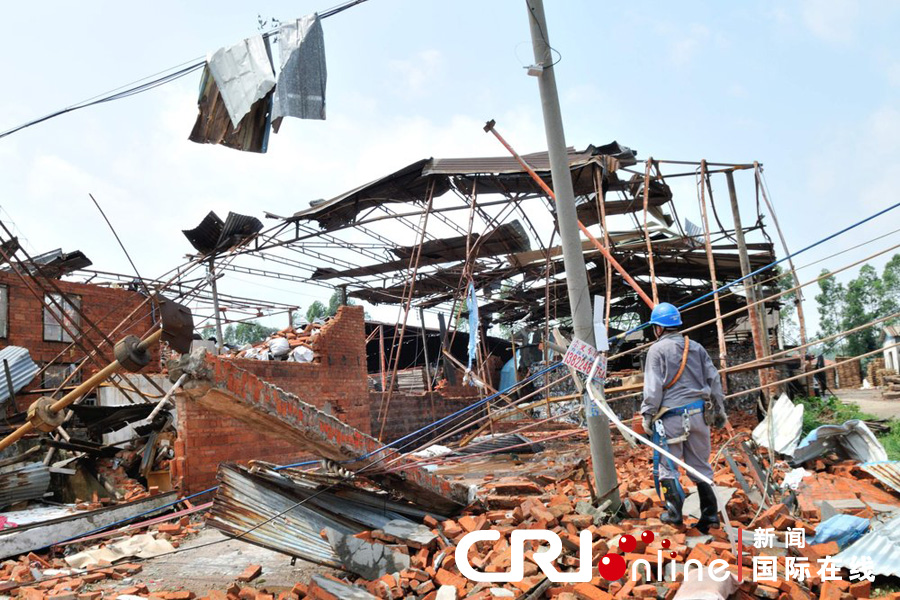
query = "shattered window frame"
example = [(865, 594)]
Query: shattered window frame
[(4, 311), (55, 374), (53, 321)]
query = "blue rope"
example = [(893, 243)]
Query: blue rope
[(421, 431), (146, 512), (550, 368), (768, 266)]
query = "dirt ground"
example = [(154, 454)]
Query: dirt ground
[(215, 566), (870, 401)]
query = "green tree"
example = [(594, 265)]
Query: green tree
[(863, 304), (890, 282), (862, 300), (830, 302), (318, 310), (787, 314), (250, 332)]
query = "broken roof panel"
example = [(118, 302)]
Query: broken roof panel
[(881, 545), (214, 235), (410, 184), (405, 185), (56, 263), (21, 369)]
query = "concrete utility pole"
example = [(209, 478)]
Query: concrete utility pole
[(220, 339), (573, 258)]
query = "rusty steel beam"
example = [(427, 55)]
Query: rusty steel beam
[(219, 385)]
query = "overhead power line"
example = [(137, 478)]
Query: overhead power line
[(151, 82)]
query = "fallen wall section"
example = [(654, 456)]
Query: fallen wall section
[(335, 382), (270, 413)]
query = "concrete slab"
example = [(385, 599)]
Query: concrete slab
[(366, 559), (414, 534)]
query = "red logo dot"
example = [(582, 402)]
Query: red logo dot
[(627, 543), (673, 554), (647, 537), (612, 566), (666, 543)]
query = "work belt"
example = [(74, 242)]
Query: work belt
[(660, 439)]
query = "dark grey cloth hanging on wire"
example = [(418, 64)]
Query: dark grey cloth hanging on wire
[(301, 83)]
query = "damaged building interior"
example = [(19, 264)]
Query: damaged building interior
[(144, 454), (368, 449)]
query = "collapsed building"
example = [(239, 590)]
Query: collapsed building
[(392, 440)]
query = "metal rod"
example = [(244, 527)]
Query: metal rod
[(757, 328), (720, 332), (647, 232), (85, 387), (603, 249)]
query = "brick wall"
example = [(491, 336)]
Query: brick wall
[(410, 412), (334, 382), (105, 307)]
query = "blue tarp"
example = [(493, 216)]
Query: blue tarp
[(508, 372), (843, 529), (472, 305)]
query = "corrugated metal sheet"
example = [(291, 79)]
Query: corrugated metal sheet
[(881, 545), (248, 508), (21, 368), (249, 503), (410, 183), (887, 472), (23, 481), (215, 235), (204, 236), (539, 161), (405, 185), (892, 330)]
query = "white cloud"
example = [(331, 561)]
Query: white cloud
[(892, 72), (417, 73), (737, 90), (834, 21), (685, 47)]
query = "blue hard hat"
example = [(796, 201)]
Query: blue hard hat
[(665, 315)]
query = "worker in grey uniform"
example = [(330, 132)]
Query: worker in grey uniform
[(682, 398)]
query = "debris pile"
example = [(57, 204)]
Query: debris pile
[(289, 344)]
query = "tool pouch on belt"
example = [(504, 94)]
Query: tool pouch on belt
[(709, 412)]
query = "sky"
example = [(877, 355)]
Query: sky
[(808, 88)]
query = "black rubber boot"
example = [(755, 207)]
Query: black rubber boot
[(672, 516), (709, 508)]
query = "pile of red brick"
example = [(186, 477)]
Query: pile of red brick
[(126, 488), (563, 504)]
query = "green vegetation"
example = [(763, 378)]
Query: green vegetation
[(831, 411), (318, 310), (238, 334), (862, 300)]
